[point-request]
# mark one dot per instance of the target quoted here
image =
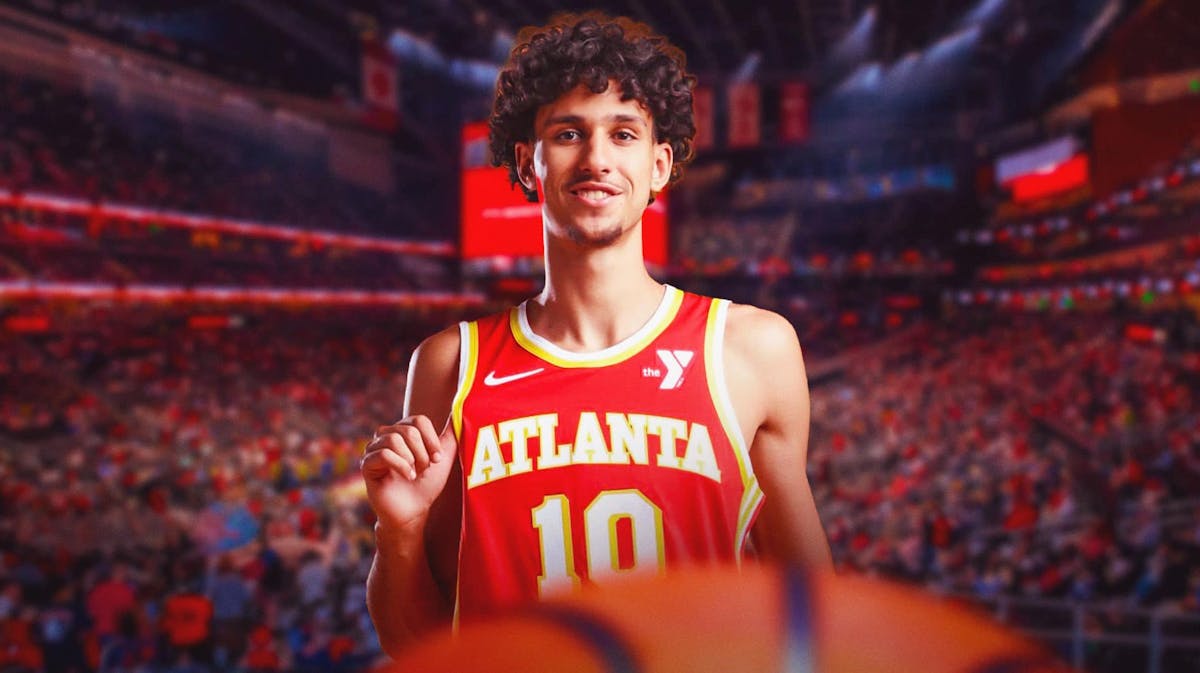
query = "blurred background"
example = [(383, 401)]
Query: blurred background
[(225, 225)]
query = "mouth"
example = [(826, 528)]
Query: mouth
[(595, 194)]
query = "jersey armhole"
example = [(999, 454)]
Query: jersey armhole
[(468, 355), (714, 366)]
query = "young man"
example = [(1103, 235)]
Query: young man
[(611, 424)]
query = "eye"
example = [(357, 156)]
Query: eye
[(624, 135), (567, 135)]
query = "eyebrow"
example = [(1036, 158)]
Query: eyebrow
[(572, 120)]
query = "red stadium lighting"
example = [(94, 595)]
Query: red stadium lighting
[(140, 294), (515, 286), (1144, 333), (863, 261), (129, 213), (1066, 176), (903, 302), (27, 324), (206, 322)]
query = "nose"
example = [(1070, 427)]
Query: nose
[(596, 158)]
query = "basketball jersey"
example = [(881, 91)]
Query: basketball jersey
[(584, 467)]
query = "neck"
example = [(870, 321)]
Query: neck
[(594, 297)]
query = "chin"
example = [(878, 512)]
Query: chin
[(597, 237)]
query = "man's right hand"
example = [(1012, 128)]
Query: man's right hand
[(405, 468)]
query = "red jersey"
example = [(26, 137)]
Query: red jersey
[(580, 467)]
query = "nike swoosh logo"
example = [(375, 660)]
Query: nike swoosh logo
[(492, 380)]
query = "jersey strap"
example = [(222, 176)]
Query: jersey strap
[(714, 353)]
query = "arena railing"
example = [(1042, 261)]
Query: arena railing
[(1088, 634)]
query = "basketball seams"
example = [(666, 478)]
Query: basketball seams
[(799, 656), (604, 639), (1019, 664)]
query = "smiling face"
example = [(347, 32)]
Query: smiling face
[(594, 162)]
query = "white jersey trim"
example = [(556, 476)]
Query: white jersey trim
[(752, 495), (669, 300)]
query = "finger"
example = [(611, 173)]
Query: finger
[(396, 444), (415, 444), (372, 445), (387, 429), (380, 441), (384, 461), (430, 437), (448, 440)]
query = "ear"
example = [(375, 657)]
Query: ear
[(523, 153), (664, 159)]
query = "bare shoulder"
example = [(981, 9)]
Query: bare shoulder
[(757, 335), (763, 363), (433, 375), (438, 352)]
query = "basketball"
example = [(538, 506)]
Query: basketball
[(761, 618)]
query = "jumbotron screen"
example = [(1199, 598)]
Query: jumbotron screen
[(502, 232)]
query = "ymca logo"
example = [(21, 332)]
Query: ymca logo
[(676, 364)]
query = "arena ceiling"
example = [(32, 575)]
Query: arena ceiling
[(722, 34), (719, 36), (967, 49)]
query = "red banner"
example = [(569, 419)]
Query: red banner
[(793, 112), (1066, 176), (744, 120), (702, 109), (380, 87)]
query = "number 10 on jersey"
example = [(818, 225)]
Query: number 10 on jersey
[(552, 519)]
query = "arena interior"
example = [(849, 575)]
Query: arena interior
[(224, 226)]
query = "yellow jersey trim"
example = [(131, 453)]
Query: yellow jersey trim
[(468, 358), (714, 365), (518, 322)]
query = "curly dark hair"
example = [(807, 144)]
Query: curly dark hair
[(591, 49)]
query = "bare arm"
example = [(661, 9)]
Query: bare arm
[(770, 387), (411, 534)]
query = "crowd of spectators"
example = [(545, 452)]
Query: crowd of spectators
[(180, 500), (990, 457), (722, 246), (56, 139), (245, 48), (56, 247), (185, 500), (762, 246)]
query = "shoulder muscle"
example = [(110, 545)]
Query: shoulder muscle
[(760, 334), (433, 376), (764, 359)]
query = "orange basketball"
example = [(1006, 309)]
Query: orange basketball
[(722, 620)]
